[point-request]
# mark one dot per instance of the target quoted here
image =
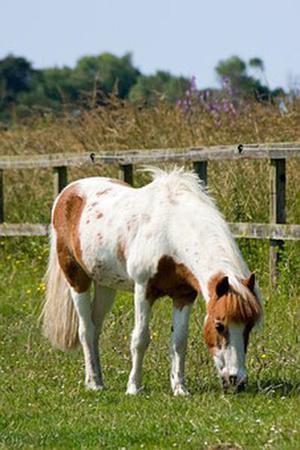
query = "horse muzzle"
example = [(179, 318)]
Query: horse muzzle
[(233, 383)]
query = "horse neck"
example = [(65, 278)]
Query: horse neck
[(207, 248)]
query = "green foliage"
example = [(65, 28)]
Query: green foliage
[(16, 78), (25, 91), (106, 73), (233, 68), (148, 89), (93, 78), (59, 85), (257, 63), (235, 71)]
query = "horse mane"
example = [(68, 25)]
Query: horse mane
[(242, 308), (239, 305), (181, 181)]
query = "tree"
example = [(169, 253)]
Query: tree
[(257, 63), (235, 71), (59, 85), (148, 89), (105, 73), (16, 76)]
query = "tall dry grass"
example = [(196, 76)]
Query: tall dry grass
[(241, 188), (123, 126)]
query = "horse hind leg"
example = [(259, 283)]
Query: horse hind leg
[(86, 332), (103, 301), (79, 283)]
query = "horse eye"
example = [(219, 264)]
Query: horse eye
[(220, 327)]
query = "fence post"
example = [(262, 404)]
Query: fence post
[(277, 212), (1, 196), (200, 167), (60, 179), (126, 173)]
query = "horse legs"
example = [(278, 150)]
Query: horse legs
[(86, 331), (140, 338), (178, 348), (103, 301)]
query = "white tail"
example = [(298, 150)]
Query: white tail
[(60, 321)]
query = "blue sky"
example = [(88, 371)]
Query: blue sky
[(186, 37)]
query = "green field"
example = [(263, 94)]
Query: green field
[(43, 402)]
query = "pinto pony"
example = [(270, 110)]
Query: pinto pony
[(166, 238)]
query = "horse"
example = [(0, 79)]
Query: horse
[(166, 238)]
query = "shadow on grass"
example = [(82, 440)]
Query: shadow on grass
[(272, 386), (276, 386)]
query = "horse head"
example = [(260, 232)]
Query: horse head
[(232, 311)]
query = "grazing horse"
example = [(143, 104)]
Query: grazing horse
[(164, 239)]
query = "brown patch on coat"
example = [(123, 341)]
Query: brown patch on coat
[(212, 338), (175, 280), (66, 219), (121, 182), (121, 251), (232, 307), (99, 215)]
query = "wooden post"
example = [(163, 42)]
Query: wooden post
[(277, 212), (200, 167), (60, 179), (126, 173), (1, 196)]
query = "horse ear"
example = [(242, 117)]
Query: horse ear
[(250, 282), (222, 287)]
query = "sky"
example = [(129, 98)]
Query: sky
[(185, 37)]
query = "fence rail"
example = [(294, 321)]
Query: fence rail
[(228, 152), (240, 230), (277, 231)]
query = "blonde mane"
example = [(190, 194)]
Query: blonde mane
[(181, 180)]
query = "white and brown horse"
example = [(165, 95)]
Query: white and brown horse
[(166, 238)]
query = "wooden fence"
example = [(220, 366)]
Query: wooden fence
[(277, 231)]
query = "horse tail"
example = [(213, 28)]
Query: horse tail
[(60, 321)]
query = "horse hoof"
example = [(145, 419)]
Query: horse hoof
[(132, 389), (181, 391), (92, 386)]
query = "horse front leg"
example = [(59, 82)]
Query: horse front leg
[(179, 340), (140, 338)]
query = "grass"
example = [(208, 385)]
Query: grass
[(43, 402), (122, 126)]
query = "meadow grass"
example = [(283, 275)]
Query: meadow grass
[(43, 402), (240, 187)]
